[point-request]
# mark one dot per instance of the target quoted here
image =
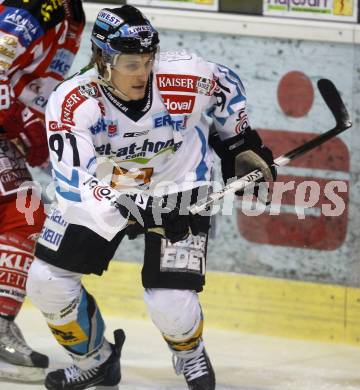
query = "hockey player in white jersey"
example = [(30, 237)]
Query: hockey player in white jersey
[(129, 145)]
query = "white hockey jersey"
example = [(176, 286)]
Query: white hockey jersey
[(101, 145)]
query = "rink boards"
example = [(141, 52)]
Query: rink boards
[(246, 303)]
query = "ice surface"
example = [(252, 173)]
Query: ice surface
[(242, 361)]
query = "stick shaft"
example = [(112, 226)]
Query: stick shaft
[(255, 175)]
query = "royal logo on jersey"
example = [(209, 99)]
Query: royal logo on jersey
[(179, 104), (185, 83)]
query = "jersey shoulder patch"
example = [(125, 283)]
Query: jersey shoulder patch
[(72, 93)]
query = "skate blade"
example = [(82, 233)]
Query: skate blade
[(11, 372)]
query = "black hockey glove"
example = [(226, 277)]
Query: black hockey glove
[(242, 154), (148, 212), (178, 224)]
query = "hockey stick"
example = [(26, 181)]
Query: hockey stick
[(337, 107)]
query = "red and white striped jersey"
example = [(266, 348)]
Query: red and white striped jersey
[(38, 42)]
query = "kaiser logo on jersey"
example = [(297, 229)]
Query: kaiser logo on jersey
[(179, 104), (185, 83), (71, 102), (176, 82)]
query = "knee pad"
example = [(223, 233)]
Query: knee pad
[(52, 289), (176, 313), (71, 313)]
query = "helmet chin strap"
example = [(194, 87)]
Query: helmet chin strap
[(106, 82)]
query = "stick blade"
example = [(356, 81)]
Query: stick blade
[(333, 100)]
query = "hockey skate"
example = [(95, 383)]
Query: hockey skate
[(198, 371), (107, 374), (18, 362)]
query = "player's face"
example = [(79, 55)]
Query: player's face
[(131, 74)]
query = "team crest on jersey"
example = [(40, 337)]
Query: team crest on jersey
[(89, 90), (205, 86), (112, 128)]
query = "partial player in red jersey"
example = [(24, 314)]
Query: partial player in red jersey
[(38, 42)]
